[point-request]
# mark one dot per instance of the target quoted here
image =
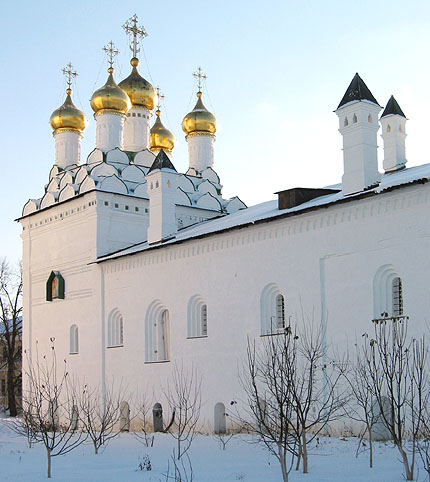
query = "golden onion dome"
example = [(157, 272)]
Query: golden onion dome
[(68, 116), (140, 91), (110, 97), (160, 137), (199, 120)]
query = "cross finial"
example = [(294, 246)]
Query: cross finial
[(70, 74), (131, 28), (159, 97), (199, 75), (111, 52)]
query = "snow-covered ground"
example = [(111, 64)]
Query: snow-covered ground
[(333, 460)]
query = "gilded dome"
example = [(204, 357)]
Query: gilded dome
[(140, 91), (68, 116), (199, 119), (110, 97), (161, 138)]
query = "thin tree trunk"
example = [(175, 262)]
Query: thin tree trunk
[(48, 452), (299, 456), (10, 389), (283, 463), (96, 449), (304, 452), (370, 447), (179, 447), (408, 470)]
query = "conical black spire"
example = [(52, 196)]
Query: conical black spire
[(357, 90), (393, 108), (162, 161)]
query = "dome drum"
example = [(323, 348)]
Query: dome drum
[(199, 133), (60, 130)]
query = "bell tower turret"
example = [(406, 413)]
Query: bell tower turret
[(199, 126), (68, 123)]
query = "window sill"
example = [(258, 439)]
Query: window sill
[(115, 346), (277, 333), (199, 336), (74, 353), (156, 361)]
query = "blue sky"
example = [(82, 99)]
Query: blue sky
[(276, 71)]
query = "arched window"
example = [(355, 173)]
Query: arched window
[(387, 292), (345, 122), (157, 329), (272, 306), (115, 329), (369, 119), (74, 339), (197, 317), (354, 119), (55, 286)]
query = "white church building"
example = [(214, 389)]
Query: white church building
[(132, 266)]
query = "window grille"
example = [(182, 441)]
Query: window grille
[(204, 320), (280, 312), (115, 330), (397, 297)]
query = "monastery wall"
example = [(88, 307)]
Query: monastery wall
[(324, 263)]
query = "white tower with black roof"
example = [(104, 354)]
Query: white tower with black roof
[(393, 122), (358, 123), (162, 181)]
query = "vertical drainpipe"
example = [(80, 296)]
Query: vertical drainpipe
[(103, 335), (30, 305), (324, 322)]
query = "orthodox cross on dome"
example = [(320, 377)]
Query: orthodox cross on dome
[(111, 52), (131, 28), (199, 75), (69, 73), (159, 97)]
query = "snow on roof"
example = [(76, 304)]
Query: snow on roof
[(268, 210), (104, 172)]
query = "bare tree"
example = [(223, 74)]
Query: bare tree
[(99, 413), (267, 377), (360, 407), (223, 439), (183, 395), (47, 407), (315, 389), (424, 441), (397, 366), (143, 413), (10, 330), (182, 472)]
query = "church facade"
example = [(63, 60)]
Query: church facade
[(133, 267)]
